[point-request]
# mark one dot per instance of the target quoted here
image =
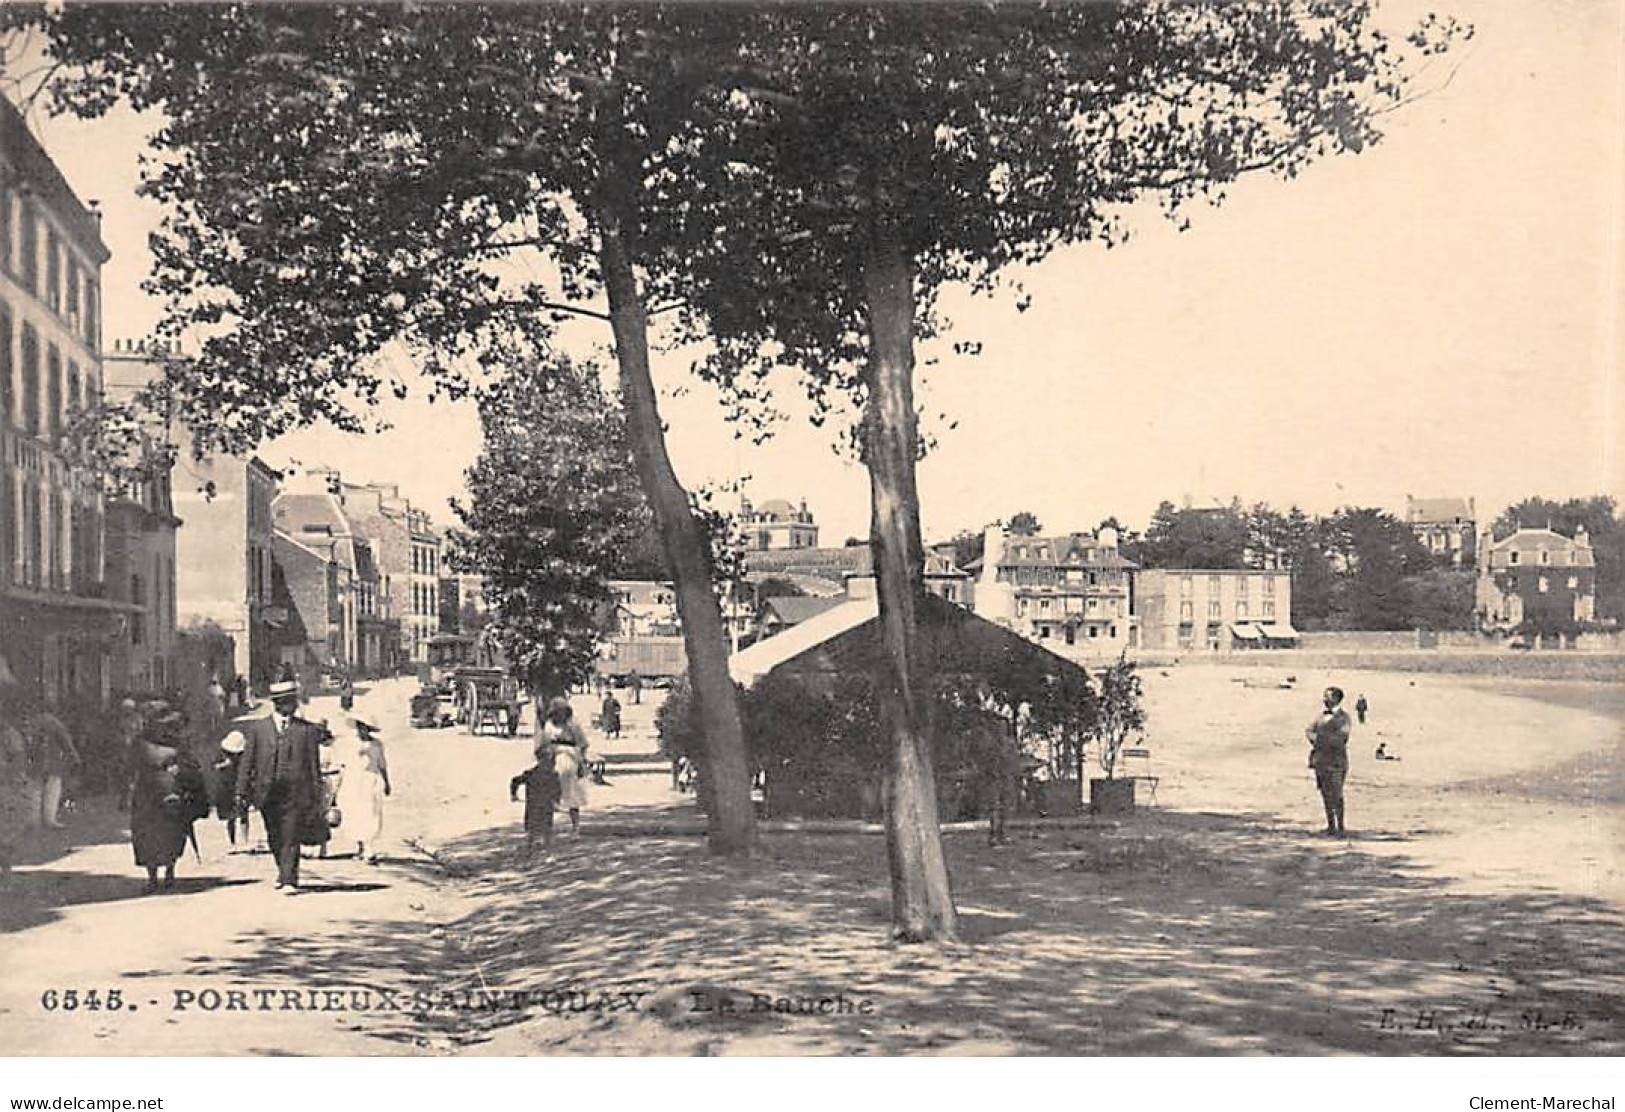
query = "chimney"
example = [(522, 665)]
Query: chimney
[(992, 553)]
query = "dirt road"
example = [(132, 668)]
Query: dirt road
[(1476, 909)]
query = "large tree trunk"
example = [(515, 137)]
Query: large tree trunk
[(922, 900), (730, 817)]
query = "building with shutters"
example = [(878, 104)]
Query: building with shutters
[(59, 624)]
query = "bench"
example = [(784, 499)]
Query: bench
[(1140, 771)]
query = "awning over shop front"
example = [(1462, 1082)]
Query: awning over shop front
[(1280, 631), (1246, 631)]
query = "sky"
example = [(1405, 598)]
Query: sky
[(1440, 315)]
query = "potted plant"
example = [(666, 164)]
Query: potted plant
[(1119, 715)]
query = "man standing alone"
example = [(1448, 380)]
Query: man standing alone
[(1328, 738), (280, 774)]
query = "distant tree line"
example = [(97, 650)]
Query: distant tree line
[(1359, 568)]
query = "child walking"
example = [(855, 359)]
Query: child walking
[(541, 783)]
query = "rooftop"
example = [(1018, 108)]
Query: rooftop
[(793, 610), (34, 168), (1078, 549), (1437, 511)]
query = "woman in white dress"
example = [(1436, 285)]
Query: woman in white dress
[(363, 787), (563, 734)]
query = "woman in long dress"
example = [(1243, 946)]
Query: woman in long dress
[(364, 782), (563, 734), (168, 795)]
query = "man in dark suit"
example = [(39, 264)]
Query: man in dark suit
[(280, 774)]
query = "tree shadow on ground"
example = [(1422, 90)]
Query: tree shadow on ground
[(38, 896), (92, 822), (1174, 933)]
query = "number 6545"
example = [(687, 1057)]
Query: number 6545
[(73, 999)]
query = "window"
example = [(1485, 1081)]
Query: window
[(1185, 613), (53, 393), (1185, 585), (5, 367), (1574, 582), (1043, 606), (36, 534), (1213, 610), (5, 225), (1094, 631), (53, 271), (1213, 582), (76, 399), (137, 596), (1241, 608), (1269, 608), (1269, 584), (73, 291), (1545, 584), (1545, 557), (31, 413), (1512, 557), (1243, 585), (29, 264), (93, 320)]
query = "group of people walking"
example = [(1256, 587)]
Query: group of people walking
[(558, 779), (309, 785)]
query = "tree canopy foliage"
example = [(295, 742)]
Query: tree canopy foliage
[(554, 509)]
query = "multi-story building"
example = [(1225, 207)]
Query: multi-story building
[(1536, 576), (1070, 590), (224, 558), (1446, 527), (1214, 609), (405, 553), (777, 524), (58, 627), (822, 572), (140, 547), (222, 561), (319, 596), (319, 521), (644, 608), (422, 621)]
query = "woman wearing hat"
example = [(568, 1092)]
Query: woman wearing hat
[(363, 785), (562, 733), (169, 794)]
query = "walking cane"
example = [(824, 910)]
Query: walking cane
[(191, 836)]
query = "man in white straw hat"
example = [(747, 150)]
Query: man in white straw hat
[(280, 773)]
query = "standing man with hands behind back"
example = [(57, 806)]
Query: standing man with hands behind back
[(280, 774), (1328, 738)]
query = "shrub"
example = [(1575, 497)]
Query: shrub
[(822, 748)]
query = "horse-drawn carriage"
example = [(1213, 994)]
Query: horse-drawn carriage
[(488, 698), (465, 680)]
